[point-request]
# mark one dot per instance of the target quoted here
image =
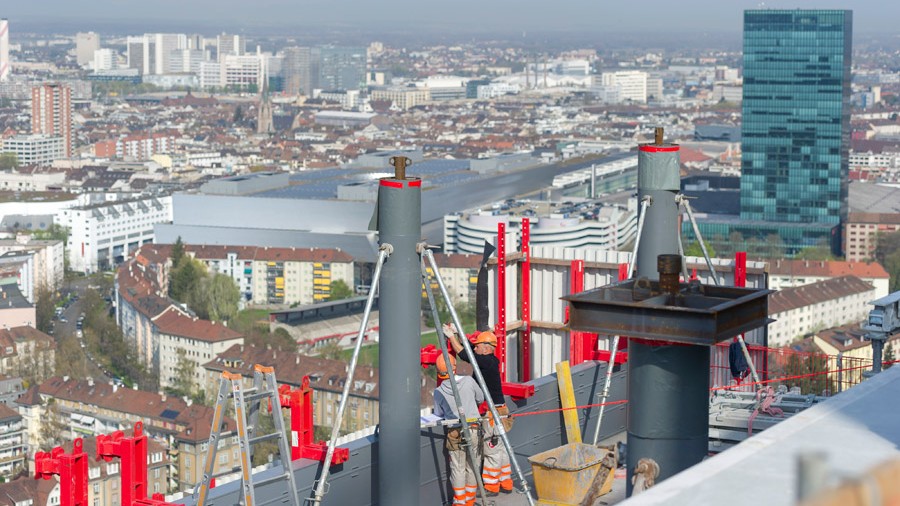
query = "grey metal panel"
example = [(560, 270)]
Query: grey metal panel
[(361, 246), (328, 216), (353, 483)]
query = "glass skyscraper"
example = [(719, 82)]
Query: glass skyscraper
[(796, 118)]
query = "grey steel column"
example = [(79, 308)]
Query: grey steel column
[(400, 225), (668, 384)]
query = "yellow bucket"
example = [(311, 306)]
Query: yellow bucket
[(567, 474)]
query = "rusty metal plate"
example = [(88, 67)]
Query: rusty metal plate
[(698, 314)]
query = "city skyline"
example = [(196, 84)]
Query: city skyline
[(467, 16)]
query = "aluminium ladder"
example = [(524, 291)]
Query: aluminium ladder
[(247, 404)]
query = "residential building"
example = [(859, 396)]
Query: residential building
[(850, 342), (786, 273), (5, 65), (26, 491), (28, 353), (139, 146), (13, 443), (51, 113), (85, 45), (105, 59), (15, 310), (243, 70), (185, 343), (164, 44), (186, 61), (11, 388), (326, 378), (816, 306), (36, 149), (102, 235), (88, 408), (300, 69), (49, 258), (234, 45), (459, 273), (402, 98), (141, 54), (298, 275), (342, 68), (631, 85), (862, 231)]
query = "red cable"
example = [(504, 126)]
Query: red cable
[(727, 387)]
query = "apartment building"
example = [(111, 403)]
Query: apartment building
[(27, 352), (459, 273), (809, 308), (13, 443), (88, 408), (36, 149), (51, 113), (326, 378), (298, 275), (402, 98), (48, 258), (786, 273), (187, 342)]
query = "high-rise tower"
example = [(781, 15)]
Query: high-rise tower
[(51, 112), (4, 49), (796, 116)]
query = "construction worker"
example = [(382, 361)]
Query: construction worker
[(497, 473), (462, 476)]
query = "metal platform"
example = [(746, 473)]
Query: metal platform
[(698, 314)]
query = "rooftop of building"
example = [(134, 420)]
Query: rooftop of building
[(788, 299), (827, 268), (175, 322), (874, 198), (324, 374), (189, 422)]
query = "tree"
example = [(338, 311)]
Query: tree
[(238, 115), (52, 427), (184, 383), (821, 251), (693, 250), (331, 350), (214, 297), (340, 290), (8, 160), (177, 252), (184, 278), (887, 253), (888, 355), (44, 308)]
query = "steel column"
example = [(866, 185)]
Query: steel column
[(668, 412), (576, 338), (400, 225), (500, 327), (525, 369)]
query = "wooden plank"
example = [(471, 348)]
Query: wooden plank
[(567, 399)]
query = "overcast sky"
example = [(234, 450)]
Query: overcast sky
[(401, 15)]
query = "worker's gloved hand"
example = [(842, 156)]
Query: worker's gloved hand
[(449, 329)]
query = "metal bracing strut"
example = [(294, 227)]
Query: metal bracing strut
[(471, 438), (479, 377), (645, 203), (605, 394), (322, 483), (681, 199), (264, 389)]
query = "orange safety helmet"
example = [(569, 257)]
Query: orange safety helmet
[(442, 366), (487, 337)]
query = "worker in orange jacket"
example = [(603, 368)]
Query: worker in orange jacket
[(497, 473)]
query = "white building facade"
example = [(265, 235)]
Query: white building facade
[(103, 235)]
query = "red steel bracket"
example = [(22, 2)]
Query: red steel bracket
[(72, 470), (300, 402), (132, 454), (518, 391)]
